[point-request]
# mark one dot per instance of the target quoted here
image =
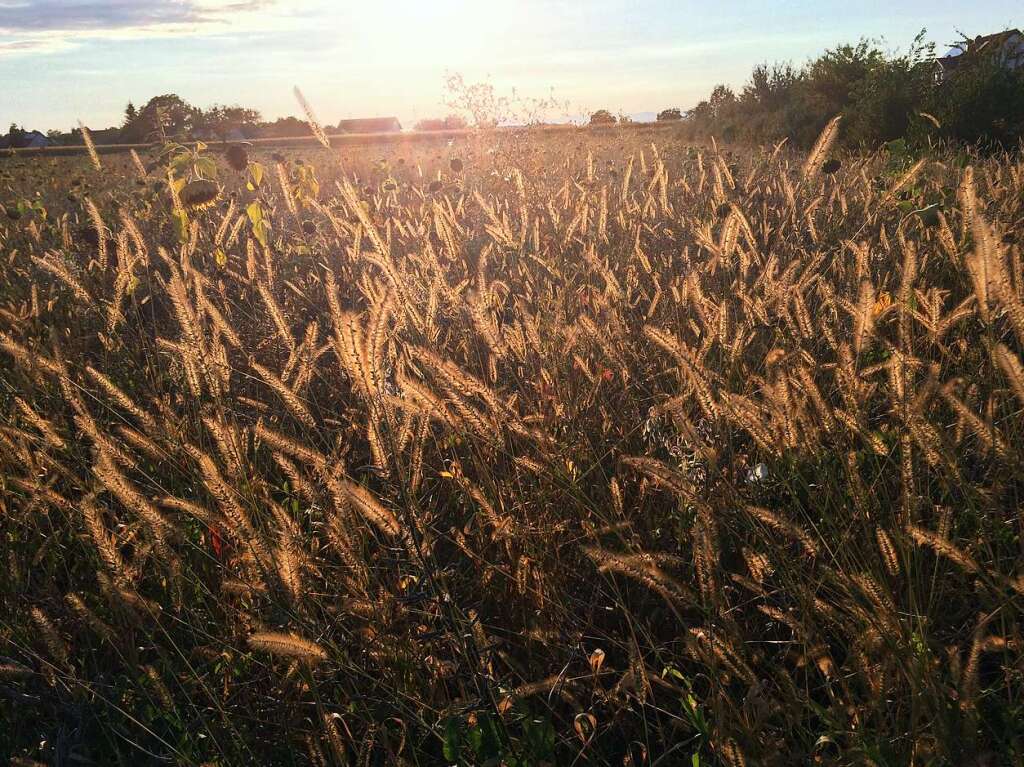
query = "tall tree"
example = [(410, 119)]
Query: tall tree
[(162, 118), (222, 121)]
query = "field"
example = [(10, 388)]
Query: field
[(521, 449)]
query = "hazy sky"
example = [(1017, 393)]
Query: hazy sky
[(63, 60)]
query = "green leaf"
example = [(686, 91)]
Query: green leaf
[(452, 739), (260, 227), (181, 225), (206, 167), (181, 161)]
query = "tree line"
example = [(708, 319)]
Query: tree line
[(170, 117), (882, 97)]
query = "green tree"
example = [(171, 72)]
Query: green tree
[(162, 118), (886, 102), (982, 100), (602, 117), (222, 121), (282, 127), (668, 115)]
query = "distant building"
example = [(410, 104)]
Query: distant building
[(31, 139), (1006, 47), (370, 125)]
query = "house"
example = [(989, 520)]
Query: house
[(1006, 47), (370, 125), (23, 139)]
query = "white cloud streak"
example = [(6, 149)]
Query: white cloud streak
[(50, 26)]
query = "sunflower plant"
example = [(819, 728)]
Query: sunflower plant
[(192, 176)]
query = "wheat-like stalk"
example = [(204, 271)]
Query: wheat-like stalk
[(820, 151), (314, 124), (287, 645), (90, 147)]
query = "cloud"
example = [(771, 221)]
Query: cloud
[(31, 45), (47, 26), (33, 16)]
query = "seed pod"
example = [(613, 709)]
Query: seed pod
[(237, 157), (199, 194)]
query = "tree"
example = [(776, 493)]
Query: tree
[(451, 122), (223, 121), (282, 127), (602, 117), (886, 104), (710, 115), (983, 102), (829, 84), (130, 113), (880, 96), (667, 115), (162, 118), (722, 97)]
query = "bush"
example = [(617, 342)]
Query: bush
[(983, 103), (880, 95)]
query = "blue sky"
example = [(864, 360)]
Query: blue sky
[(64, 60)]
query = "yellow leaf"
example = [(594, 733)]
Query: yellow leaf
[(883, 302)]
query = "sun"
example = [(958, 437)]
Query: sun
[(416, 36)]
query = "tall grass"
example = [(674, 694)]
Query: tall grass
[(575, 451)]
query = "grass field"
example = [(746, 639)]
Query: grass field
[(351, 140), (568, 449)]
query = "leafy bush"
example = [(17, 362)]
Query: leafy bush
[(881, 96)]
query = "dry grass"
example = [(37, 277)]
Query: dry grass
[(576, 451)]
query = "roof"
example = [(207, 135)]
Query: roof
[(370, 125), (24, 139), (982, 45)]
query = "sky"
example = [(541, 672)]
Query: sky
[(67, 60)]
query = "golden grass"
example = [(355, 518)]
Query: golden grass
[(743, 426)]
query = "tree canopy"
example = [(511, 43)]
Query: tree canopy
[(223, 121), (882, 97), (163, 117), (451, 122)]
